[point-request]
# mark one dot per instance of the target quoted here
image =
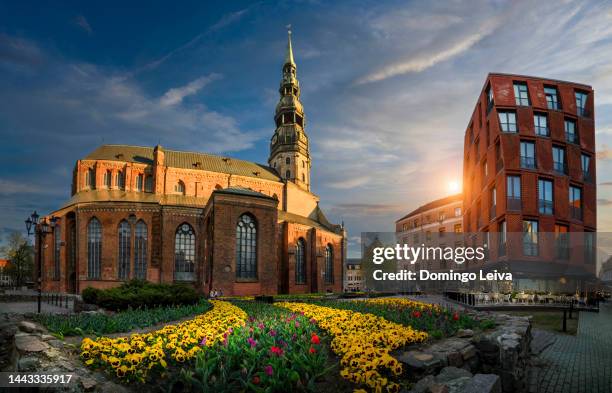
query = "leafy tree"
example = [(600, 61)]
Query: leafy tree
[(21, 255)]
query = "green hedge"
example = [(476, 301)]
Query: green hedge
[(139, 294), (123, 321)]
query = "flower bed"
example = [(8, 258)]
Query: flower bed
[(123, 321), (134, 357), (275, 351), (363, 341), (437, 321)]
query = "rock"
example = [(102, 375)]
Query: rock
[(56, 343), (465, 333), (29, 327), (438, 388), (455, 359), (420, 361), (450, 373), (47, 337), (468, 352), (88, 383), (458, 384), (28, 363), (483, 383), (30, 343), (423, 385)]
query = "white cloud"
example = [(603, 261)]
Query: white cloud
[(176, 95), (82, 22)]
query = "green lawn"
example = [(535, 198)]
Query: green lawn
[(549, 320)]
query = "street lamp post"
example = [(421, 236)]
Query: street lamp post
[(40, 229)]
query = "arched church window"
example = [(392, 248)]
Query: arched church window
[(139, 182), (300, 262), (57, 233), (288, 160), (120, 180), (329, 264), (149, 183), (288, 174), (303, 177), (90, 178), (179, 188), (94, 248), (303, 164), (184, 253), (125, 240), (246, 247), (140, 251), (107, 179)]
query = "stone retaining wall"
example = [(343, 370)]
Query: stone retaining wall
[(499, 357)]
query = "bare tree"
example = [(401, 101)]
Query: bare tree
[(20, 253)]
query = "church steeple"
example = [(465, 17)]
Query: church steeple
[(289, 151)]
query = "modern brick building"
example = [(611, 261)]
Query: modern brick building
[(529, 189), (436, 223), (215, 222)]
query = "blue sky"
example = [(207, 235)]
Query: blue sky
[(388, 88)]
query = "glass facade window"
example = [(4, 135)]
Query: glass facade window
[(571, 133), (503, 236), (124, 244), (140, 251), (561, 241), (513, 193), (300, 261), (540, 124), (184, 253), (559, 160), (530, 237), (575, 202), (507, 121), (94, 248), (552, 98), (246, 247), (585, 161), (329, 264), (490, 102), (581, 99), (545, 196), (179, 188), (457, 228), (521, 94), (528, 159)]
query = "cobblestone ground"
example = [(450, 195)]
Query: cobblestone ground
[(576, 364)]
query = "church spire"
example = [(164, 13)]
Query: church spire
[(289, 55), (289, 151)]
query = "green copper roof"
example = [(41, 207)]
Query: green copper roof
[(182, 159)]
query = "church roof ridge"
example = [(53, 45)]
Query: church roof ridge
[(184, 159)]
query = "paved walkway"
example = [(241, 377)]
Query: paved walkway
[(576, 364)]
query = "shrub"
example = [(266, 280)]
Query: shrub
[(139, 294), (90, 295)]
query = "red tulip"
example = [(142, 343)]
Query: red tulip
[(416, 314), (312, 350), (455, 316), (315, 339), (256, 380)]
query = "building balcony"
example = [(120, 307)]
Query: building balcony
[(560, 167), (513, 203), (576, 212), (545, 206), (528, 162)]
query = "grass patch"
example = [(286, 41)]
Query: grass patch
[(549, 320), (123, 321)]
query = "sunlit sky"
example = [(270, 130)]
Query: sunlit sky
[(388, 88)]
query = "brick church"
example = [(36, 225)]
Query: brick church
[(212, 221)]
